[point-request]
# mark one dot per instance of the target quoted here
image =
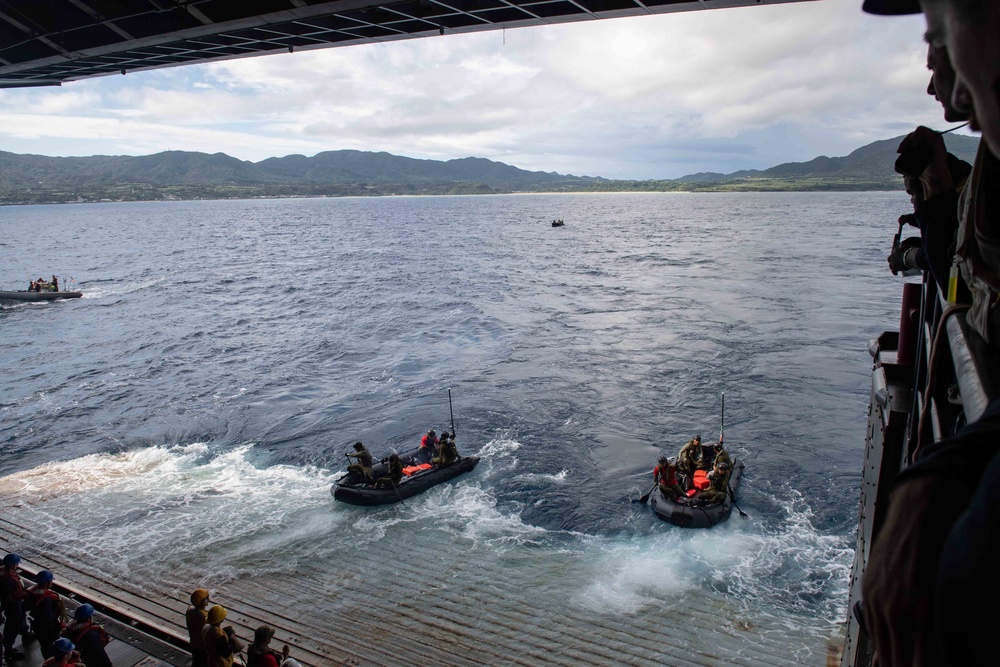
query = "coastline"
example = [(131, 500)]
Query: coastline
[(399, 195)]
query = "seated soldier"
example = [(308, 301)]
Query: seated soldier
[(447, 452), (718, 488), (689, 458), (428, 446), (721, 455), (665, 474), (395, 469), (363, 467)]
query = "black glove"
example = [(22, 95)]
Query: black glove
[(908, 219), (897, 257)]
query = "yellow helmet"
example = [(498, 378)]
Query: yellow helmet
[(198, 595), (216, 614)]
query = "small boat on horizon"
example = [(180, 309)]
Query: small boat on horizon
[(557, 223), (25, 295)]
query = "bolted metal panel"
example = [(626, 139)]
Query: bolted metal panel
[(52, 41)]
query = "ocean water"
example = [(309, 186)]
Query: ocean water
[(181, 424)]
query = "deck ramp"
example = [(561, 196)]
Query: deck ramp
[(407, 607)]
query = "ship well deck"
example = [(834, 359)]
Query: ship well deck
[(385, 618)]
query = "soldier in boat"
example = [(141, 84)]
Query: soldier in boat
[(364, 465), (447, 452), (428, 446), (665, 475), (717, 490), (689, 458), (395, 469), (720, 454)]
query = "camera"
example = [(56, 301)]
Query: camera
[(914, 160)]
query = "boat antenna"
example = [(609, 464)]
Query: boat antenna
[(452, 411), (722, 428)]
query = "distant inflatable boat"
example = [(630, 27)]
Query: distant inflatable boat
[(557, 223), (690, 514), (418, 476), (25, 295)]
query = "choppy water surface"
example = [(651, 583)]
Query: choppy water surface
[(182, 423)]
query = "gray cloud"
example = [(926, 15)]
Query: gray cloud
[(646, 97)]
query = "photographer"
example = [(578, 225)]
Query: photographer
[(933, 178), (221, 644)]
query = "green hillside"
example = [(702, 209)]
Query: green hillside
[(37, 179)]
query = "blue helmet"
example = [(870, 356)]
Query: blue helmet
[(11, 559), (44, 577), (62, 646), (83, 612)]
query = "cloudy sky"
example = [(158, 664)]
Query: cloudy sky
[(645, 97)]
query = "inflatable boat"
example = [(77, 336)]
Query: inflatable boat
[(689, 513), (25, 295), (418, 476)]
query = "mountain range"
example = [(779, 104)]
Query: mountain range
[(37, 179)]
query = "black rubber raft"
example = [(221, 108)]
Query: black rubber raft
[(25, 295), (694, 515), (351, 489)]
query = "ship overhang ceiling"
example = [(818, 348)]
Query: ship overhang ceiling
[(49, 42)]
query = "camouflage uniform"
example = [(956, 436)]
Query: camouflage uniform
[(719, 488), (722, 456), (364, 465), (395, 469), (447, 453), (689, 458)]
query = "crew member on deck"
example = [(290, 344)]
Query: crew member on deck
[(197, 618), (63, 654), (364, 465), (222, 644), (47, 612), (260, 653), (55, 284), (89, 637), (12, 605)]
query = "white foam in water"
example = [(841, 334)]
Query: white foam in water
[(497, 457), (464, 508), (624, 576), (557, 478), (129, 509), (233, 519), (100, 291)]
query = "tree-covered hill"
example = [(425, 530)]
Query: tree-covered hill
[(36, 179)]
